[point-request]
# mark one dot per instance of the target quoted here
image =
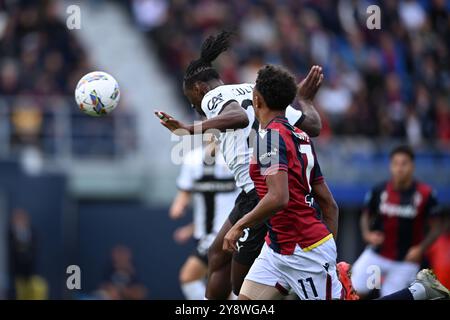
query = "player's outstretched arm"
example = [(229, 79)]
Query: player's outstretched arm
[(276, 198), (307, 89), (328, 205), (180, 204), (231, 117)]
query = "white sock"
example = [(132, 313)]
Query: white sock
[(418, 291), (194, 290), (232, 296)]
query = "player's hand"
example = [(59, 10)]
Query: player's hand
[(177, 127), (374, 238), (414, 254), (183, 234), (308, 87), (231, 238)]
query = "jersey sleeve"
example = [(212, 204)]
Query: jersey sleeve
[(272, 153), (294, 116), (317, 176), (371, 201), (432, 207), (185, 180), (214, 101)]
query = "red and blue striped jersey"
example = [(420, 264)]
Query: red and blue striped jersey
[(401, 215), (282, 147)]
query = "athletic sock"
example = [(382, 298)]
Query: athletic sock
[(232, 296), (418, 291), (194, 290), (404, 294)]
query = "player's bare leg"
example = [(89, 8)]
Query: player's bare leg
[(238, 273), (219, 267), (192, 275), (257, 291)]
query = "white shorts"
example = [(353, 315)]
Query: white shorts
[(373, 271), (311, 274)]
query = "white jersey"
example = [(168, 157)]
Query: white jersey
[(214, 191), (234, 143)]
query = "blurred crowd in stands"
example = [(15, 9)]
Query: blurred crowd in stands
[(41, 62), (393, 82)]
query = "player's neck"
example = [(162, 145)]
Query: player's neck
[(402, 185), (268, 115)]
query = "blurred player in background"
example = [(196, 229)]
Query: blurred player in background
[(229, 107), (207, 183), (299, 253), (399, 222)]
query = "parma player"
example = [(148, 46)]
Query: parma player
[(207, 183), (299, 253), (229, 109), (399, 222)]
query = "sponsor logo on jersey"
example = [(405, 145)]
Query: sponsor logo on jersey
[(269, 154), (399, 210), (214, 186), (214, 102)]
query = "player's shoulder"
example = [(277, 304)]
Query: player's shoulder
[(286, 130), (380, 187), (229, 90), (375, 192), (424, 188)]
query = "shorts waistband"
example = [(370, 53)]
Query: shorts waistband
[(318, 243)]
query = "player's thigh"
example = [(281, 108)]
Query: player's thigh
[(193, 269), (264, 275), (312, 273), (217, 257), (369, 264), (257, 291), (400, 276)]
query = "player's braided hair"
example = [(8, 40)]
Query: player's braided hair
[(201, 69), (277, 86)]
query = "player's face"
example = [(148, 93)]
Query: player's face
[(195, 96), (402, 167)]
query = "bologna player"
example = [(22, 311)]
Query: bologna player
[(394, 224), (299, 253), (207, 183), (230, 107)]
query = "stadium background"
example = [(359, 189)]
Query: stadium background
[(89, 185)]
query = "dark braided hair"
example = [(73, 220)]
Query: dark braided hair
[(201, 69)]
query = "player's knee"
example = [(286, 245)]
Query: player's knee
[(186, 274), (183, 276)]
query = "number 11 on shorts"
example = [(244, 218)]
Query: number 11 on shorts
[(309, 281)]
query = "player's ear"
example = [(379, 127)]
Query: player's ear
[(257, 99)]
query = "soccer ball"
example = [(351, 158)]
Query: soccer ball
[(97, 93)]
